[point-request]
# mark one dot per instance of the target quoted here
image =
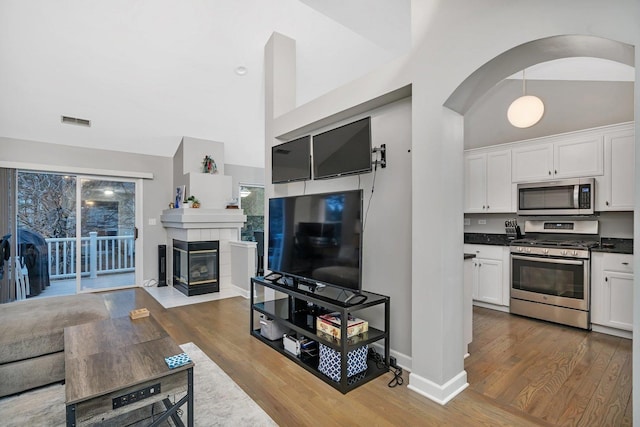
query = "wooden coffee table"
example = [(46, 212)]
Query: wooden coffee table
[(117, 365)]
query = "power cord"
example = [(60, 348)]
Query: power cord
[(150, 283), (380, 364)]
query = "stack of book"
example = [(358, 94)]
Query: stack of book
[(330, 324)]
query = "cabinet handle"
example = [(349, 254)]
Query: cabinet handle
[(483, 207), (549, 172), (606, 279), (606, 203), (487, 206), (555, 172), (625, 263)]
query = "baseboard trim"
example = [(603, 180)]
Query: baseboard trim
[(612, 331), (402, 359), (242, 292), (438, 393), (502, 308)]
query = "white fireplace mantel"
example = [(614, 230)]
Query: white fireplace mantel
[(203, 224), (187, 218)]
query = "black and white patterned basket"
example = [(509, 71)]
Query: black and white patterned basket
[(330, 361)]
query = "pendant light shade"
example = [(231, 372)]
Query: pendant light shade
[(525, 111)]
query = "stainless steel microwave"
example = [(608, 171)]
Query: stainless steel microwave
[(564, 197)]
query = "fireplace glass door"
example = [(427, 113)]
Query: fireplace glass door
[(196, 267)]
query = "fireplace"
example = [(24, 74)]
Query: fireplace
[(196, 267)]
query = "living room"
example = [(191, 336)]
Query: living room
[(423, 220)]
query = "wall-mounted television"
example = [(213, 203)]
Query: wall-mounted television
[(291, 161), (317, 238), (343, 151)]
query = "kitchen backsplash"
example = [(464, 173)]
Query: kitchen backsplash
[(612, 224)]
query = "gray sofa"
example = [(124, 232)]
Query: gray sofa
[(32, 338)]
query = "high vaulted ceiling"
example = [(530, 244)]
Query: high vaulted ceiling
[(148, 72)]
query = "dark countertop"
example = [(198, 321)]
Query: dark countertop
[(487, 239), (469, 256), (608, 244), (615, 246)]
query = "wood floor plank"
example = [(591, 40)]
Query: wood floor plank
[(602, 406), (557, 374)]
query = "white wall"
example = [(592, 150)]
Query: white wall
[(387, 234)]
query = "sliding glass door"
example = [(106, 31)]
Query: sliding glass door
[(75, 233), (107, 230)]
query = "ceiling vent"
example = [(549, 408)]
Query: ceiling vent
[(76, 121)]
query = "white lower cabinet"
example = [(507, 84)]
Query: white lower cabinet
[(612, 290), (489, 273)]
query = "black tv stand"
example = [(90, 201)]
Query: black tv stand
[(296, 310), (273, 276)]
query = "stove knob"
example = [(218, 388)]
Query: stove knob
[(564, 252), (574, 253), (528, 250), (545, 251)]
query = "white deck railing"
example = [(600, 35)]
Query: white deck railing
[(99, 255)]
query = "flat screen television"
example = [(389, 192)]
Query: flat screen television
[(291, 161), (317, 238), (343, 151)]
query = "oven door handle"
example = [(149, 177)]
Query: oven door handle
[(550, 260)]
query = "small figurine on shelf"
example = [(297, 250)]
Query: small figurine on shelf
[(209, 165), (193, 202)]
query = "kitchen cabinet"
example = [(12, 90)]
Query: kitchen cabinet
[(612, 290), (489, 274), (488, 187), (558, 158), (614, 190)]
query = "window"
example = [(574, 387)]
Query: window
[(252, 201)]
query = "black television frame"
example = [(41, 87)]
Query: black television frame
[(328, 136), (314, 282), (302, 143)]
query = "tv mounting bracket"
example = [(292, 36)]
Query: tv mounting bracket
[(383, 155)]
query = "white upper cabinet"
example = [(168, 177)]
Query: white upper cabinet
[(488, 185), (614, 190), (559, 158), (578, 157), (606, 153), (532, 162)]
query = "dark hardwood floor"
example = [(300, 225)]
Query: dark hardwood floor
[(521, 372)]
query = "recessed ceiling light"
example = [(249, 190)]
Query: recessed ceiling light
[(108, 192), (241, 71)]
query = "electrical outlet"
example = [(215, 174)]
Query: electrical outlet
[(482, 221), (392, 362), (152, 221)]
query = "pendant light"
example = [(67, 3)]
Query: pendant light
[(527, 110)]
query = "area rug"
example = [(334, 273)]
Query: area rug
[(218, 401)]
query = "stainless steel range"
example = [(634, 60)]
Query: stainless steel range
[(550, 276)]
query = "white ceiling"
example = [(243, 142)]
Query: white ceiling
[(148, 72)]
